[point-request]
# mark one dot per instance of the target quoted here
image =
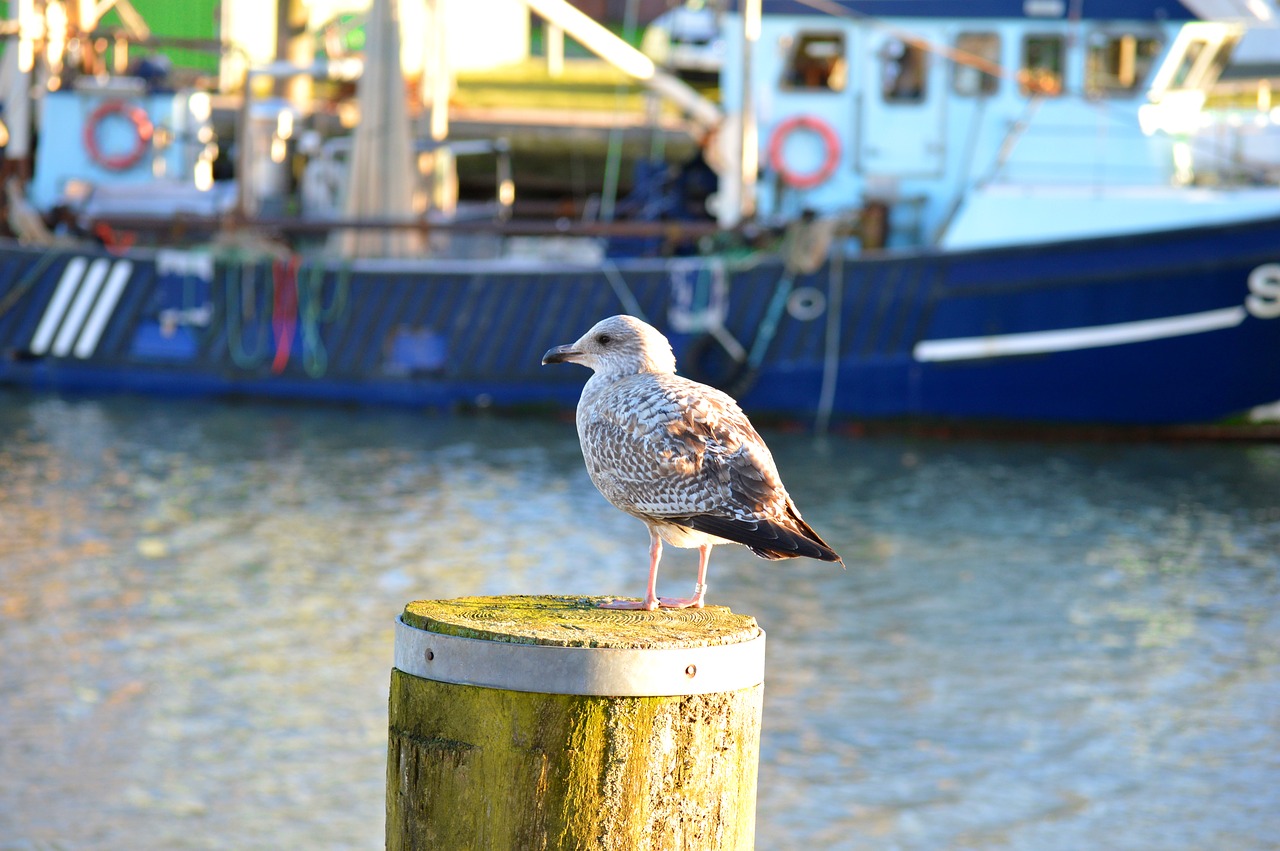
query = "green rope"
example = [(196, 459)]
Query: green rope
[(768, 329), (315, 358), (235, 319), (772, 316), (765, 334), (337, 310)]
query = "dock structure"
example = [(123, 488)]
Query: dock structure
[(547, 722)]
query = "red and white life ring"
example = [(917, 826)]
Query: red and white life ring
[(143, 130), (830, 142)]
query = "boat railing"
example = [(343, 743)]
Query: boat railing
[(182, 227)]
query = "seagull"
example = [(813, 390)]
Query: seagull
[(679, 455)]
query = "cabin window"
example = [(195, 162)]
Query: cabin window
[(902, 71), (1118, 64), (973, 75), (1188, 63), (817, 62), (1042, 64), (1201, 63)]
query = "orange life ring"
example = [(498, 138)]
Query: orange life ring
[(142, 129), (830, 141)]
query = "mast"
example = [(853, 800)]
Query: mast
[(750, 157)]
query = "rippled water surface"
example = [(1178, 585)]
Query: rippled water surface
[(1035, 646)]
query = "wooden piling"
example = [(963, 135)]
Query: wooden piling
[(549, 723)]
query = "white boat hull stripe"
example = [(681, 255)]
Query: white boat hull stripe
[(58, 304), (80, 307), (1072, 339), (97, 323)]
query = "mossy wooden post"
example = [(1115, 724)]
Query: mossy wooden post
[(548, 723)]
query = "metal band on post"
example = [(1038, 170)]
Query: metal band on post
[(602, 671)]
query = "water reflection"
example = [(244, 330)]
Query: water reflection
[(1034, 646)]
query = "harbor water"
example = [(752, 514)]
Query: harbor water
[(1034, 646)]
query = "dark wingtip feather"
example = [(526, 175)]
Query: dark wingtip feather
[(766, 538)]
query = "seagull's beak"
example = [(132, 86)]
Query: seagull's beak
[(561, 354)]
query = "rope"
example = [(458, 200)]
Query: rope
[(315, 358), (769, 325), (613, 156), (768, 329), (764, 336), (341, 294), (284, 310), (964, 57), (236, 310), (622, 291), (831, 361), (960, 57)]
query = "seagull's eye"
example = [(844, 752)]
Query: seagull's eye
[(604, 339)]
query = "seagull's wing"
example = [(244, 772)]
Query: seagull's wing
[(669, 449)]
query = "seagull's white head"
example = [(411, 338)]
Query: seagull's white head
[(619, 345)]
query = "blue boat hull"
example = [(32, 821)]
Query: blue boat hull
[(1165, 328)]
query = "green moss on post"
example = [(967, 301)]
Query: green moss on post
[(473, 767)]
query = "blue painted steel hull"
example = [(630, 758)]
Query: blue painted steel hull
[(1150, 329)]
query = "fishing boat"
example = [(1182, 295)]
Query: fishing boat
[(988, 211)]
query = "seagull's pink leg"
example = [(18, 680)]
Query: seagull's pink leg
[(651, 596), (699, 590)]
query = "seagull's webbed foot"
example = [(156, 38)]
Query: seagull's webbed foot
[(632, 605), (694, 602), (680, 602)]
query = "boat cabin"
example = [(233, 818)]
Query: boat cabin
[(929, 107)]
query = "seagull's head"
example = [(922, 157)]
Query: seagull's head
[(619, 345)]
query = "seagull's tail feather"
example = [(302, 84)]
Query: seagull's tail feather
[(768, 539)]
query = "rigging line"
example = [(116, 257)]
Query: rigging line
[(284, 309), (966, 183), (1011, 139), (613, 157), (237, 307), (315, 358), (964, 57), (32, 275), (960, 57), (773, 314), (831, 355), (621, 290)]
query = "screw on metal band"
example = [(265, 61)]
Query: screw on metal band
[(601, 671)]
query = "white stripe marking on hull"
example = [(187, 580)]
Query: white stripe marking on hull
[(58, 304), (80, 307), (1072, 339), (102, 310)]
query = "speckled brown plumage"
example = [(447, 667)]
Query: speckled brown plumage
[(679, 455)]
